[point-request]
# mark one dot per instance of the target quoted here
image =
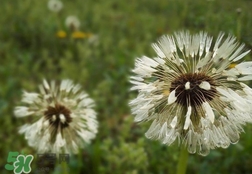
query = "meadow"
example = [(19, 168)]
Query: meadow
[(114, 34)]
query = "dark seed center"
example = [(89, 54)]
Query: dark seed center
[(58, 115), (193, 95)]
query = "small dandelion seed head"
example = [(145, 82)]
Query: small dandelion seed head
[(73, 23), (238, 11), (193, 91), (55, 5), (62, 118), (93, 39)]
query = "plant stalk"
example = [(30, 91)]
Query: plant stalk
[(182, 163)]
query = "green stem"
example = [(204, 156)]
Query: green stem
[(64, 168), (238, 27), (182, 163)]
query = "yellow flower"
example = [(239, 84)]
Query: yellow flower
[(80, 35), (232, 65), (61, 34)]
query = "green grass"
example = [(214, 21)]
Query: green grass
[(30, 51)]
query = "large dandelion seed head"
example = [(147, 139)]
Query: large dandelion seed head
[(193, 91), (62, 117)]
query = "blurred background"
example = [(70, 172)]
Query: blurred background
[(95, 43)]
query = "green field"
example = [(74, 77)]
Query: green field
[(30, 51)]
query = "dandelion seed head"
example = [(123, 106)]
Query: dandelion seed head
[(62, 118), (55, 5), (73, 23), (193, 91)]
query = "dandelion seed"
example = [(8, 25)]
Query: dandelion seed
[(193, 91), (55, 5), (63, 118)]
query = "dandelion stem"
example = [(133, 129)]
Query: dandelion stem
[(64, 168), (182, 163)]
